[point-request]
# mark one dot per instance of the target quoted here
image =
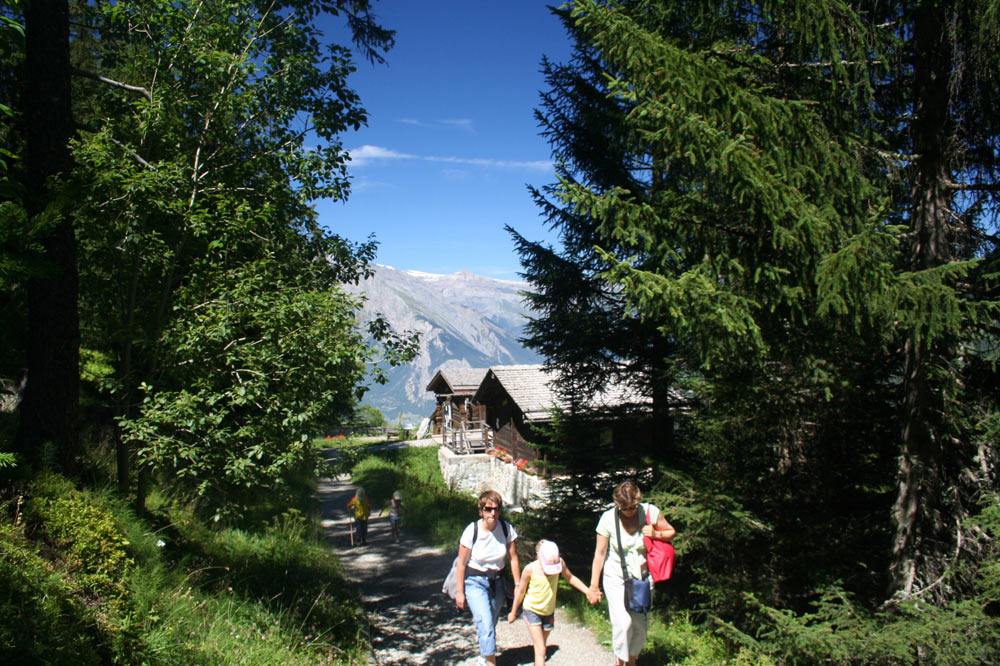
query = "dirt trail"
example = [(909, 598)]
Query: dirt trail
[(412, 621)]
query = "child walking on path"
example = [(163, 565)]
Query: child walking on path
[(362, 508), (396, 511), (538, 587)]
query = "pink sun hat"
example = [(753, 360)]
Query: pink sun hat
[(548, 557)]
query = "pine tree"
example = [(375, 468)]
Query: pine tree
[(586, 330), (805, 232)]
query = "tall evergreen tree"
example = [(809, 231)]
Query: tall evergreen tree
[(808, 228), (586, 329), (949, 62)]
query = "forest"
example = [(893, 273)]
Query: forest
[(777, 221)]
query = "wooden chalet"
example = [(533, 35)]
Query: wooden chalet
[(458, 420), (517, 398)]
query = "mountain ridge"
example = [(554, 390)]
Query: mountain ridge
[(464, 319)]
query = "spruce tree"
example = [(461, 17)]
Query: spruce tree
[(807, 233), (586, 330)]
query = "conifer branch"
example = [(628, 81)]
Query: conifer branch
[(829, 63), (972, 187)]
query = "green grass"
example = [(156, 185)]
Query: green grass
[(85, 580)]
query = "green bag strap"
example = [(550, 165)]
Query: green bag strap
[(618, 533)]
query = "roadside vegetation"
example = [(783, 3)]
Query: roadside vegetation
[(84, 579), (167, 286)]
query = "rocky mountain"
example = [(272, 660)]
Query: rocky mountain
[(463, 319)]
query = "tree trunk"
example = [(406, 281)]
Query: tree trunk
[(917, 514), (49, 411)]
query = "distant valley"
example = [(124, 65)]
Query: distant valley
[(464, 320)]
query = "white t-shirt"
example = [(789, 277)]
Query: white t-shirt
[(632, 544), (490, 549)]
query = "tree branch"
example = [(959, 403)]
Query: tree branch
[(111, 82), (972, 187), (134, 155)]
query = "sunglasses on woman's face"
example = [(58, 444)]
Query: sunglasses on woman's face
[(491, 509), (628, 509)]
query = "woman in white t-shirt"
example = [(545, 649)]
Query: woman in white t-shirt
[(482, 552), (628, 629)]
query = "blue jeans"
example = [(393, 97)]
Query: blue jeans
[(485, 599)]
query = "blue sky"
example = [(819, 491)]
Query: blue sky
[(451, 140)]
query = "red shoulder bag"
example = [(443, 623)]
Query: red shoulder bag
[(659, 556)]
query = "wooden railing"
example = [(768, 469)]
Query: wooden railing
[(466, 436)]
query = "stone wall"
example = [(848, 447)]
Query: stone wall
[(477, 472)]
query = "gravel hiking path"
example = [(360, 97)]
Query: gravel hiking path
[(412, 622)]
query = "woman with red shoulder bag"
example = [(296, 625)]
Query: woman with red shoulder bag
[(620, 553)]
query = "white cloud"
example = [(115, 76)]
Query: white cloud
[(462, 123), (490, 162), (365, 155)]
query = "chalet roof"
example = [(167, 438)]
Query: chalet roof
[(531, 388), (528, 386), (457, 380)]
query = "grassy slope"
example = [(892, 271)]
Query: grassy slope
[(83, 579)]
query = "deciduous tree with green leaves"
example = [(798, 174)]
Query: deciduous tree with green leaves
[(204, 132), (215, 126)]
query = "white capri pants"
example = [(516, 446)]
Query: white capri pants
[(628, 629)]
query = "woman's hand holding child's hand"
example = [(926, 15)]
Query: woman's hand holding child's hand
[(647, 530)]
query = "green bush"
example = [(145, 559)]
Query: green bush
[(841, 632), (42, 620), (85, 580), (90, 539)]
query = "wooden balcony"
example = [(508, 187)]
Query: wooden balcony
[(466, 436)]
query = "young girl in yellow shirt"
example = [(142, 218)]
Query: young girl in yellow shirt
[(538, 587)]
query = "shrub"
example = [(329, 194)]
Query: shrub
[(41, 618), (90, 539)]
